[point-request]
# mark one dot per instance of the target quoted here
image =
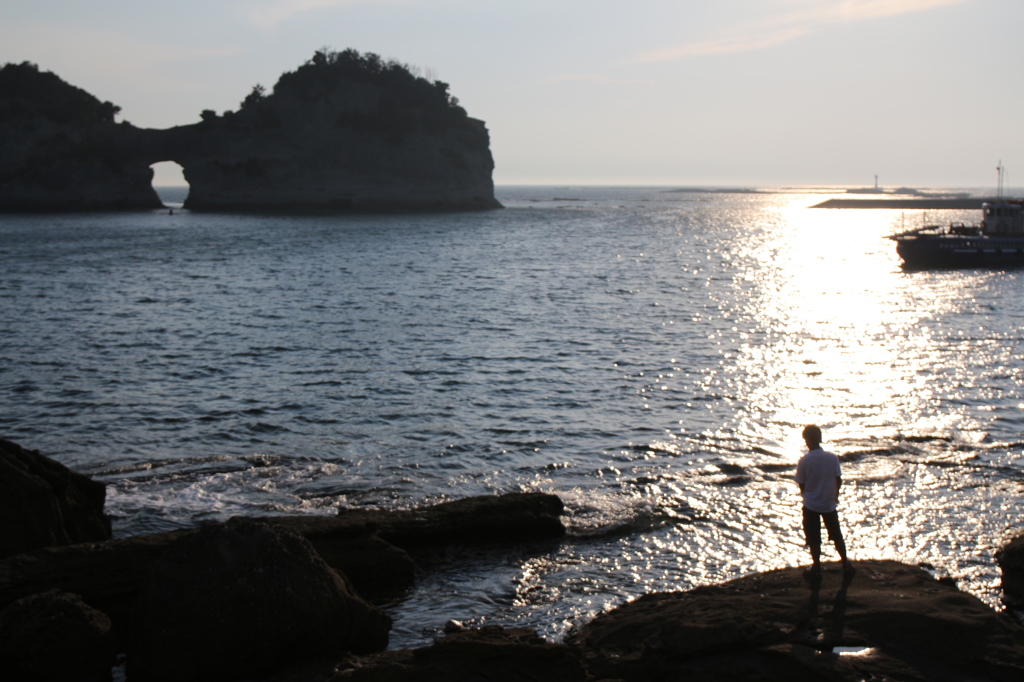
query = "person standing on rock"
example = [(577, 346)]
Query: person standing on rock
[(820, 480)]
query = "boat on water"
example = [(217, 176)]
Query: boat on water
[(998, 240)]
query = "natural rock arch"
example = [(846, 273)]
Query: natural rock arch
[(342, 132)]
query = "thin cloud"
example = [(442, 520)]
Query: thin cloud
[(792, 25), (98, 51), (597, 78), (271, 14)]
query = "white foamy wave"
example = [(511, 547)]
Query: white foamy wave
[(591, 513), (167, 503)]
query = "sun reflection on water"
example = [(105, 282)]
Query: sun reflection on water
[(824, 326), (762, 325), (837, 324)]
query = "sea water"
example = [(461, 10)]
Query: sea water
[(648, 355)]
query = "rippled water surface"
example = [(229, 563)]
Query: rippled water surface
[(648, 355)]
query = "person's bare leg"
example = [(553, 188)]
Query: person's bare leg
[(815, 558), (835, 534), (812, 533), (841, 548)]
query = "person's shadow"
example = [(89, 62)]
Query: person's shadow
[(832, 634)]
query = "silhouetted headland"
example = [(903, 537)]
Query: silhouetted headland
[(343, 132)]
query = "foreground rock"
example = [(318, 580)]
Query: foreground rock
[(239, 600), (490, 653), (895, 621), (45, 504), (55, 637), (108, 575), (1011, 562), (513, 517)]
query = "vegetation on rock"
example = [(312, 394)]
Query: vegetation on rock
[(368, 94), (343, 131), (26, 91)]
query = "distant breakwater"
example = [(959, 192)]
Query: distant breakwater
[(905, 204)]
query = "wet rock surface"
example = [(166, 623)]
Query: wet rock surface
[(109, 574), (1011, 562), (45, 504), (240, 600), (489, 653), (886, 621), (54, 636), (259, 599), (513, 517)]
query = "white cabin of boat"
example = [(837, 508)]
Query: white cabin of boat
[(1003, 217)]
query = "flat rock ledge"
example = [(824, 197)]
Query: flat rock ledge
[(490, 653), (485, 519), (887, 621)]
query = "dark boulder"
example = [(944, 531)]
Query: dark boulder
[(240, 600), (55, 637), (108, 574), (45, 504), (1011, 562), (887, 621), (512, 517), (490, 653), (376, 567)]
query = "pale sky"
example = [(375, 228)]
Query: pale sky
[(925, 93)]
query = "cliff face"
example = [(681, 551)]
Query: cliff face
[(342, 132), (296, 167), (61, 150)]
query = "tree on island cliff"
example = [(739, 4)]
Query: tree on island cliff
[(25, 91), (400, 101)]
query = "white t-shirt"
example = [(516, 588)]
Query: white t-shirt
[(817, 471)]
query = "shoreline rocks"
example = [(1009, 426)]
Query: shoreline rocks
[(512, 517), (283, 599), (1011, 562), (240, 600), (488, 653), (45, 504), (886, 621), (109, 574), (55, 637), (227, 600)]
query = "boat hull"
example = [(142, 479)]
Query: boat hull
[(953, 251)]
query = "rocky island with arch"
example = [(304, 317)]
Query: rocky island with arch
[(343, 132)]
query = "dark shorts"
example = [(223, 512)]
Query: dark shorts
[(812, 526)]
